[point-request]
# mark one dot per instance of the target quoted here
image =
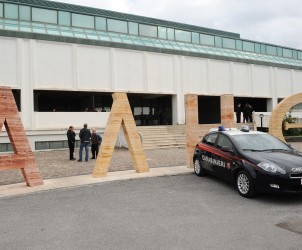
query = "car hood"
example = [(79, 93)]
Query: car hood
[(288, 160)]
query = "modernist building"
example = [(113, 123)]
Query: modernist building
[(62, 59)]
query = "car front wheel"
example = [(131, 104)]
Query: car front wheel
[(198, 168), (245, 185)]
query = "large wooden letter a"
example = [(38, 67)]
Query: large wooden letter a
[(121, 114), (23, 157)]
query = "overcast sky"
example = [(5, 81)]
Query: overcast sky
[(271, 21)]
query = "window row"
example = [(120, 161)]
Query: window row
[(33, 14)]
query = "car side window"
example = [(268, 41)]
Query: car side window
[(223, 141), (210, 139)]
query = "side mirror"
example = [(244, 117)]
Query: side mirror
[(227, 149)]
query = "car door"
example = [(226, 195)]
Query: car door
[(208, 149), (223, 161)]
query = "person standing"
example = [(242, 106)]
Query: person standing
[(96, 140), (71, 142), (246, 111), (85, 136), (250, 115), (238, 112)]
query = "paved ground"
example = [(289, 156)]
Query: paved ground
[(176, 212), (56, 164)]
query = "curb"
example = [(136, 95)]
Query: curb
[(83, 180)]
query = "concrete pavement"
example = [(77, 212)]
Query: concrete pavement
[(81, 180)]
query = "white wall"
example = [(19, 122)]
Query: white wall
[(9, 67), (97, 73), (33, 64), (58, 120), (53, 65)]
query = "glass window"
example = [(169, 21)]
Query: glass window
[(207, 39), (239, 45), (11, 11), (279, 51), (1, 9), (300, 55), (257, 48), (91, 34), (271, 50), (53, 31), (287, 53), (195, 38), (64, 18), (79, 34), (104, 36), (248, 46), (43, 15), (210, 139), (100, 23), (25, 26), (218, 41), (171, 35), (228, 43), (162, 32), (39, 30), (295, 54), (133, 28), (116, 38), (147, 30), (223, 141), (183, 36), (65, 31), (263, 48), (117, 26), (9, 26), (83, 21), (24, 13)]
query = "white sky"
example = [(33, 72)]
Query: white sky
[(272, 21)]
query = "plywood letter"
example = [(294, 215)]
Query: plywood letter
[(22, 157), (121, 115)]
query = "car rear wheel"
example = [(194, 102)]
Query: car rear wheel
[(198, 167), (245, 185)]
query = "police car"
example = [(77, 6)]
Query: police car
[(253, 161)]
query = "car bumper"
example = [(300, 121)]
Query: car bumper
[(278, 183)]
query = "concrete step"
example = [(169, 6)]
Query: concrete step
[(163, 136)]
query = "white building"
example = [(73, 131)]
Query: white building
[(66, 58)]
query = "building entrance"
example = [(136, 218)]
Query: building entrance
[(151, 109)]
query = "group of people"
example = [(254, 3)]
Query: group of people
[(87, 138), (247, 111)]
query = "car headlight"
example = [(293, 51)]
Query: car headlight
[(271, 167)]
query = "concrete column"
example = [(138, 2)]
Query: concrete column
[(191, 107), (227, 110)]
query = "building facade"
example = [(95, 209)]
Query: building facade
[(62, 60)]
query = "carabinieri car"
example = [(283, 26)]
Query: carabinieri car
[(254, 161)]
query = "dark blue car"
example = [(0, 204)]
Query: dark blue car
[(253, 161)]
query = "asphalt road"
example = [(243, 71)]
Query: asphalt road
[(176, 212)]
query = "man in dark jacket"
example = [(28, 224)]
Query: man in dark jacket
[(238, 112), (71, 142), (85, 136)]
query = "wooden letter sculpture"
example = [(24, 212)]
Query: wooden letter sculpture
[(276, 120), (23, 157), (121, 114)]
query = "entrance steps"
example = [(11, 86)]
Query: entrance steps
[(170, 136)]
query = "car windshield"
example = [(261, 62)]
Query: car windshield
[(260, 142)]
